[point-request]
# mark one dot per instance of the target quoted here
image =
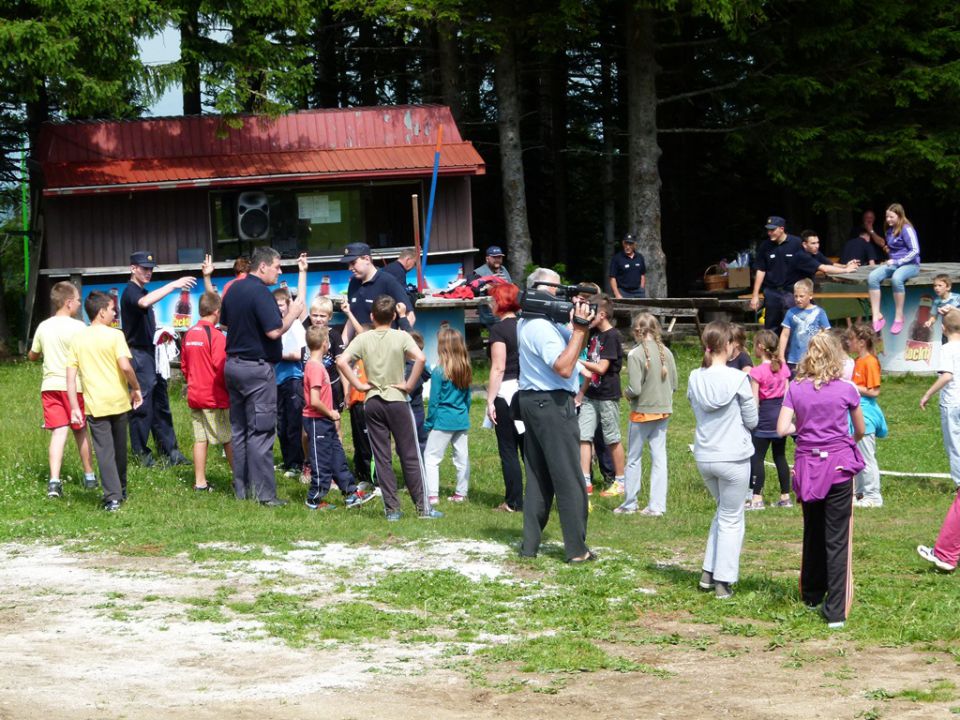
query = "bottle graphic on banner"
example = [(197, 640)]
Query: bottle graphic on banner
[(325, 285), (919, 348), (115, 299), (182, 313)]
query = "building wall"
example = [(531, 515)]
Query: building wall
[(102, 230), (88, 231)]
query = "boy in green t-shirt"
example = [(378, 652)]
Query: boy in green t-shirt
[(100, 356), (387, 406)]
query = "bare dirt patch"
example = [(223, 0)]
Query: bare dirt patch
[(90, 635)]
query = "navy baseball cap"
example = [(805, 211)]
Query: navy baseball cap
[(494, 251), (354, 250), (630, 238), (143, 259), (775, 221)]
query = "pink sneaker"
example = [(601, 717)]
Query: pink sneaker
[(457, 497), (896, 327), (433, 499), (878, 325)]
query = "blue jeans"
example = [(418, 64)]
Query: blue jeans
[(899, 274)]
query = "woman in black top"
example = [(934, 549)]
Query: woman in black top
[(504, 372)]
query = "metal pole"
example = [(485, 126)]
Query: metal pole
[(433, 194)]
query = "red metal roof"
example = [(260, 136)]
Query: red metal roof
[(162, 153)]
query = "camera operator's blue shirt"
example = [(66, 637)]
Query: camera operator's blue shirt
[(540, 343)]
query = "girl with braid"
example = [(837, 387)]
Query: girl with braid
[(769, 383), (652, 375)]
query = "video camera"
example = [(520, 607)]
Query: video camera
[(536, 303)]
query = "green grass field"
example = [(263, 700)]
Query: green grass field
[(648, 566)]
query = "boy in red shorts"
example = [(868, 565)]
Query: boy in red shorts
[(52, 343)]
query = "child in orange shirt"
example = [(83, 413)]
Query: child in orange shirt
[(866, 376)]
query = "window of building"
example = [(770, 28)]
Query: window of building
[(318, 220)]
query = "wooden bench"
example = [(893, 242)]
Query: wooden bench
[(668, 314)]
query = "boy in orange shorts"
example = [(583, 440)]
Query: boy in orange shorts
[(52, 343)]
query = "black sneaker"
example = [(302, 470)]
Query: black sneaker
[(54, 489), (146, 460), (112, 505), (178, 458), (276, 502), (90, 483)]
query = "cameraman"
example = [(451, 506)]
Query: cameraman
[(548, 382)]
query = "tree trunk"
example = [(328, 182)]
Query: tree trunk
[(325, 62), (190, 59), (511, 158), (448, 51), (607, 188), (643, 193), (551, 190), (368, 64), (838, 225)]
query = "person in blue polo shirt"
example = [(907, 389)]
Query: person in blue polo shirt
[(628, 271), (368, 283), (548, 381), (774, 257)]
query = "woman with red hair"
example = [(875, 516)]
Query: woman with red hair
[(504, 372)]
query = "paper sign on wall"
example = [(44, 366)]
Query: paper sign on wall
[(318, 209)]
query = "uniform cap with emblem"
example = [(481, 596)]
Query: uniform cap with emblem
[(630, 239), (775, 221), (494, 251), (143, 259), (354, 250)]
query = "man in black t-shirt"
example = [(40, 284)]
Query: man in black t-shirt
[(139, 327), (810, 261), (254, 345), (601, 395)]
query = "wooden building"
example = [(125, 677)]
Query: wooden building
[(309, 181)]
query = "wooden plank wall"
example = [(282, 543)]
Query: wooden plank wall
[(453, 225), (102, 230)]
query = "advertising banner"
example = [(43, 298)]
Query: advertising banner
[(916, 348), (179, 310)]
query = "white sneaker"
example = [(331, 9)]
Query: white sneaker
[(868, 503), (838, 625), (648, 512), (930, 556)]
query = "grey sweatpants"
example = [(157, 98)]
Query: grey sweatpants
[(109, 436), (727, 483)]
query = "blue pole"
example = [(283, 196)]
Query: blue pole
[(433, 194)]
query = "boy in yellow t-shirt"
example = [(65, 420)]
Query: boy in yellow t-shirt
[(52, 343), (100, 356)]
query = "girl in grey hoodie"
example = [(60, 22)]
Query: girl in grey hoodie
[(725, 411)]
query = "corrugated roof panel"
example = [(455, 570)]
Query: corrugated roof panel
[(105, 175)]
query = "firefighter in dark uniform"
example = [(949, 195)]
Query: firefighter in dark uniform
[(628, 271), (774, 259)]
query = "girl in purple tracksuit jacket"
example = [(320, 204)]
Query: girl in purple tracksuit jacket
[(904, 263)]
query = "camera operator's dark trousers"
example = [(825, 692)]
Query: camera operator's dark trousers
[(154, 414), (551, 453)]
